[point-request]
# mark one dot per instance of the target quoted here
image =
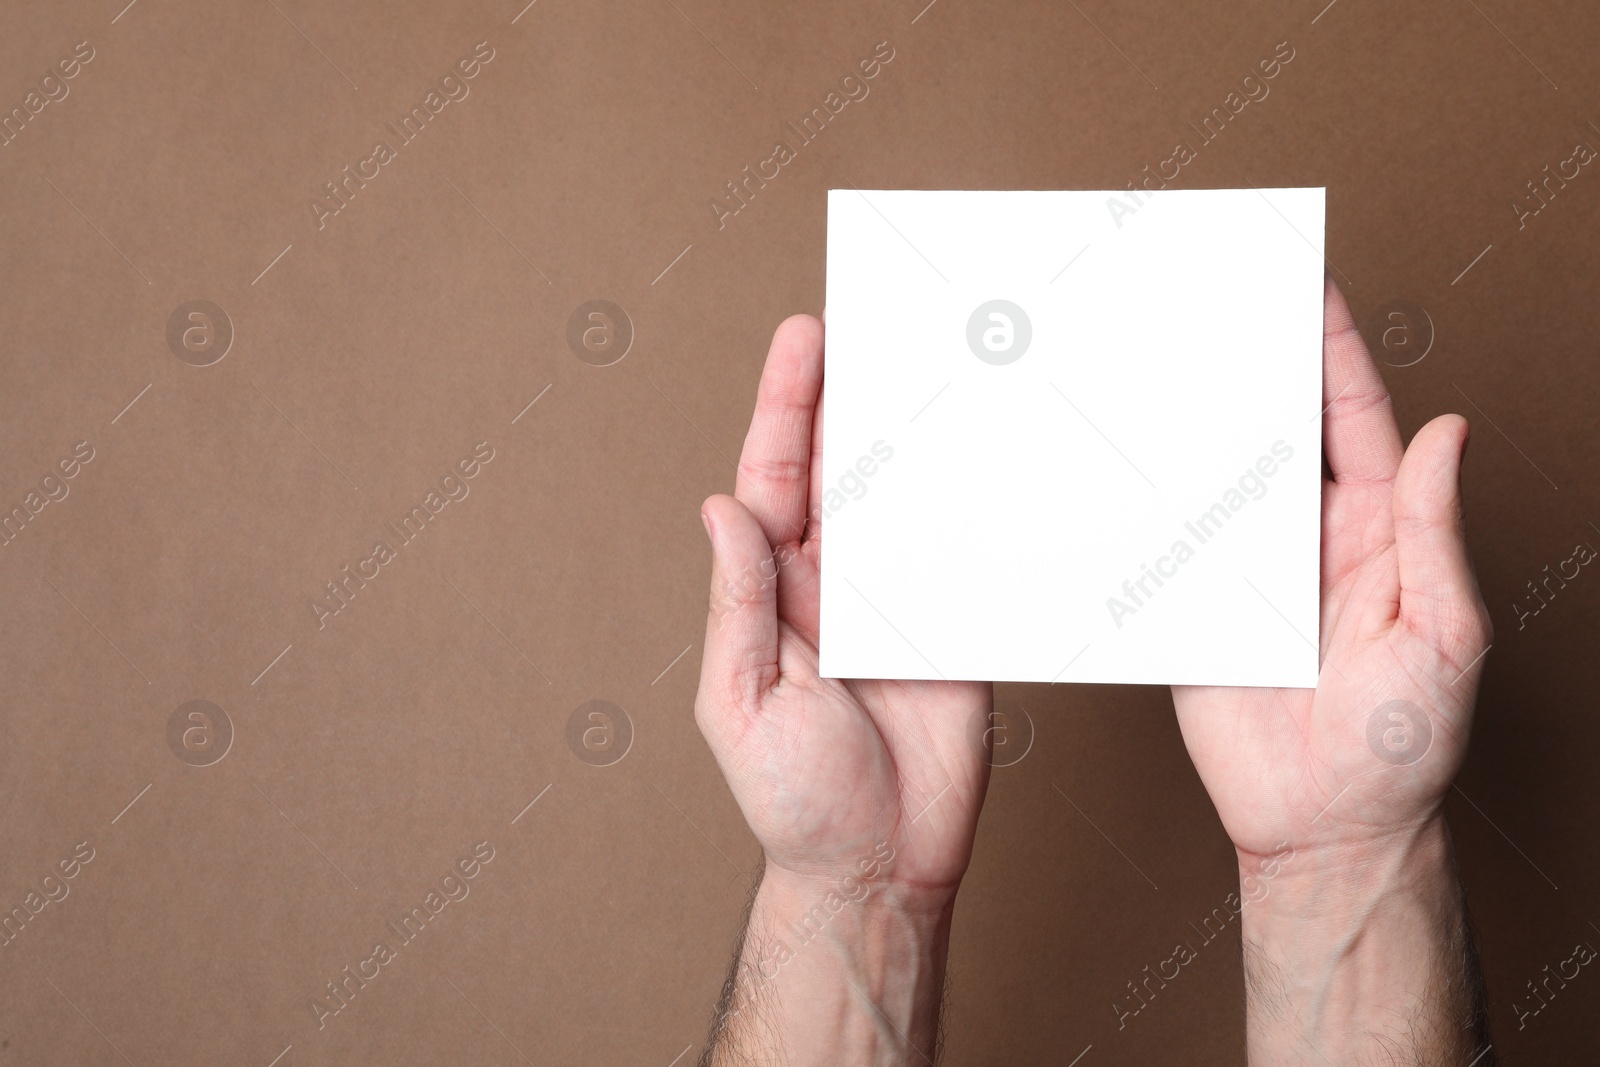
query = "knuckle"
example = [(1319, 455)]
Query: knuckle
[(729, 596), (765, 468), (1360, 402)]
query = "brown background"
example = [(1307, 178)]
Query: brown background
[(378, 351)]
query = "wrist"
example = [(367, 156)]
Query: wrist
[(1316, 880), (873, 882), (827, 961), (869, 929), (1352, 946)]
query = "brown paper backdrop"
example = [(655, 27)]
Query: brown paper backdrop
[(372, 354)]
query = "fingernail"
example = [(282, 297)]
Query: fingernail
[(705, 519)]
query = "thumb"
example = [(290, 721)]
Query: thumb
[(1439, 597), (741, 651)]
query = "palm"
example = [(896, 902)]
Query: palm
[(1400, 621), (825, 770)]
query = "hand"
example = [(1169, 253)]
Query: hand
[(844, 782), (1401, 620), (1333, 796), (823, 769)]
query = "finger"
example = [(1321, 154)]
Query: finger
[(814, 496), (1439, 596), (1361, 440), (774, 468), (813, 528), (741, 651)]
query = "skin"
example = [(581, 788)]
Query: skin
[(1358, 949), (865, 795)]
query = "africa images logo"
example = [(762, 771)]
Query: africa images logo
[(999, 332), (1399, 733)]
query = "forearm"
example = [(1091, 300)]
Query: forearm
[(823, 979), (1363, 955)]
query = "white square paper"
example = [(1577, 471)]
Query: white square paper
[(1134, 496)]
